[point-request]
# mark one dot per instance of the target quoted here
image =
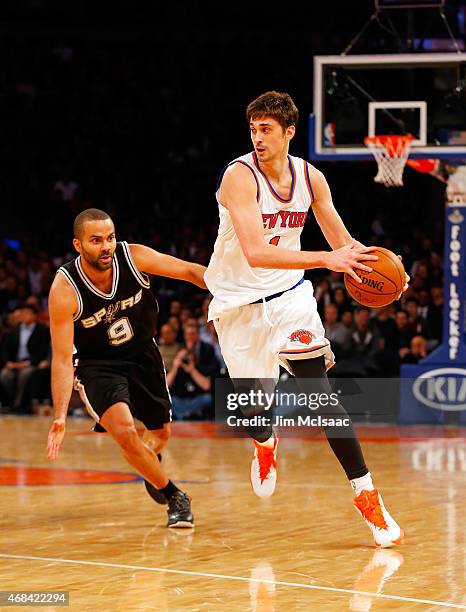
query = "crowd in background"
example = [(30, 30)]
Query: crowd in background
[(366, 343)]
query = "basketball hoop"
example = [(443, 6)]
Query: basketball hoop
[(390, 153)]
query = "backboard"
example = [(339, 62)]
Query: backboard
[(355, 96)]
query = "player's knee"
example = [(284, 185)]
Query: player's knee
[(128, 439)]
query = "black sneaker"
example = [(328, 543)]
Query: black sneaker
[(155, 493), (179, 511)]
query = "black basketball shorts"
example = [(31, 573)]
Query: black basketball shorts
[(139, 383)]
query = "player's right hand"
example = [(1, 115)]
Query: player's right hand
[(348, 258), (55, 439)]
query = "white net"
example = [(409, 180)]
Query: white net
[(391, 154)]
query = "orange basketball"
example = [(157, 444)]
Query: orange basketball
[(381, 286)]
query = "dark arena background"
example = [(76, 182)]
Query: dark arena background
[(135, 108)]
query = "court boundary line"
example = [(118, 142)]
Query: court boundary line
[(237, 578)]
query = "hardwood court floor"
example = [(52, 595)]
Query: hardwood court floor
[(305, 548)]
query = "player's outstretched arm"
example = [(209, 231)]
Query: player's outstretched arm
[(62, 306), (152, 262), (328, 218), (238, 194)]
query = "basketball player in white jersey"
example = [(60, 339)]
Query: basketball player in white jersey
[(264, 311)]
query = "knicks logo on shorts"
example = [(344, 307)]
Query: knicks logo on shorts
[(302, 335)]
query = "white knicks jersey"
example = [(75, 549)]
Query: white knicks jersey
[(229, 277)]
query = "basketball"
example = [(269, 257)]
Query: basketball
[(383, 285)]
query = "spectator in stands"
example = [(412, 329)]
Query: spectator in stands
[(175, 322), (415, 322), (340, 298), (21, 293), (9, 299), (47, 276), (33, 300), (204, 328), (185, 314), (322, 295), (363, 340), (13, 320), (336, 280), (25, 350), (190, 377), (416, 352), (21, 267), (174, 308), (424, 300), (404, 334), (436, 270), (384, 324), (192, 320), (35, 276), (168, 345), (386, 358), (41, 307), (364, 344), (335, 331), (418, 282), (422, 271), (434, 314), (348, 320)]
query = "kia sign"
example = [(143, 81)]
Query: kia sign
[(443, 388)]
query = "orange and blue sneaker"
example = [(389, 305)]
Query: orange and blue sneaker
[(264, 469), (385, 529)]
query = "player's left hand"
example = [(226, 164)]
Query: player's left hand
[(407, 279), (55, 439)]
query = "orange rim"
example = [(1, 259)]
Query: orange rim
[(395, 144)]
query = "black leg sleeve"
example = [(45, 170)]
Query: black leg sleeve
[(342, 440), (262, 431)]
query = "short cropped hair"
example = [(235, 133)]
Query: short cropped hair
[(90, 214), (274, 104)]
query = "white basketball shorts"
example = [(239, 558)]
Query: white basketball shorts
[(257, 338)]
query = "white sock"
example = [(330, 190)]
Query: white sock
[(268, 443), (362, 484)]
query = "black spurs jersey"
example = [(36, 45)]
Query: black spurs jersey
[(119, 324)]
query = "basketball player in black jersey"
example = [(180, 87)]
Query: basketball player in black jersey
[(101, 305)]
